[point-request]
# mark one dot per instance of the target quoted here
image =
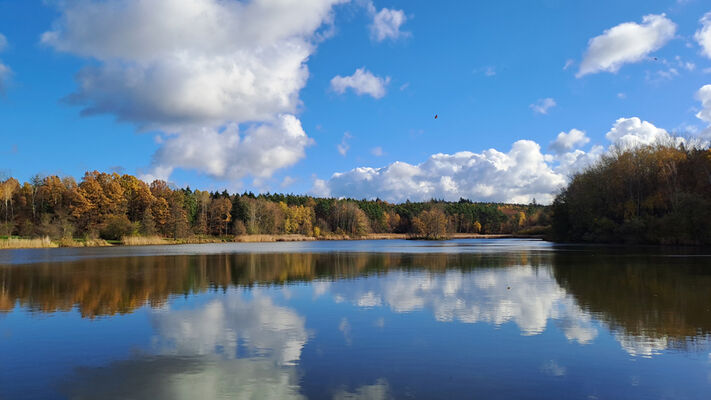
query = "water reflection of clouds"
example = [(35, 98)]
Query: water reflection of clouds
[(223, 323), (527, 296), (380, 390), (637, 345), (229, 347)]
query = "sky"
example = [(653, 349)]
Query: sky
[(339, 98)]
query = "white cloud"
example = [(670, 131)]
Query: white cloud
[(628, 42), (386, 23), (516, 176), (631, 132), (543, 105), (621, 95), (577, 160), (239, 62), (566, 142), (704, 95), (5, 71), (568, 63), (687, 65), (260, 151), (377, 151), (344, 146), (362, 82), (703, 35)]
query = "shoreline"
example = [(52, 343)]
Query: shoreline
[(45, 243)]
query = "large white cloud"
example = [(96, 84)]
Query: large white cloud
[(517, 176), (362, 82), (626, 43), (191, 67), (703, 35), (632, 132), (263, 149)]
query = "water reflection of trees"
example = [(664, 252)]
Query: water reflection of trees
[(99, 287), (660, 298), (666, 298)]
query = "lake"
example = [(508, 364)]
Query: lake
[(489, 319)]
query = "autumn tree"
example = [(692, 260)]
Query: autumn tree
[(346, 217), (220, 216), (431, 224)]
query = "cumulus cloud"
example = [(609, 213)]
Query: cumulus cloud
[(704, 95), (577, 160), (362, 82), (543, 105), (516, 176), (632, 132), (628, 42), (703, 35), (5, 71), (566, 142), (262, 150), (386, 23), (240, 62)]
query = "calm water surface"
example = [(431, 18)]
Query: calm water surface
[(333, 320)]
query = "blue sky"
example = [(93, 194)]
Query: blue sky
[(211, 93)]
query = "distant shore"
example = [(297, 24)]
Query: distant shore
[(36, 243)]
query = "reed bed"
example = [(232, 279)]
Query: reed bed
[(142, 240), (19, 243), (69, 242)]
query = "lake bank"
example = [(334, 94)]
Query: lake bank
[(35, 243)]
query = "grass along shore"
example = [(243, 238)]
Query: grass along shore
[(46, 242)]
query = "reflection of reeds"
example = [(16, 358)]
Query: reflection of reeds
[(16, 243)]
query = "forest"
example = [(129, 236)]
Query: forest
[(114, 207), (655, 194)]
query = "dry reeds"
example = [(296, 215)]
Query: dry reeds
[(17, 243), (142, 240)]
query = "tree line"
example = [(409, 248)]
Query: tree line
[(111, 206), (655, 194)]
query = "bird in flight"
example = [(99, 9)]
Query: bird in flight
[(435, 116)]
